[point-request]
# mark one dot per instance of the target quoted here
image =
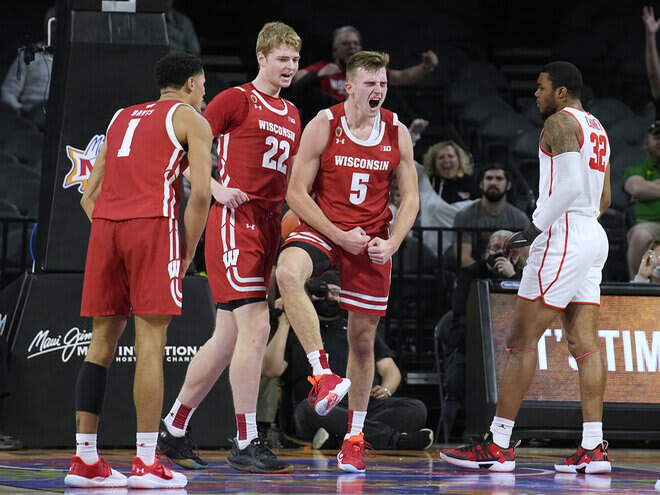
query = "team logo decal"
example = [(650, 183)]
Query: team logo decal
[(82, 162), (338, 131)]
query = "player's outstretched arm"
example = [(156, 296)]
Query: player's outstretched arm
[(606, 195), (303, 173), (381, 250), (651, 50), (192, 128), (93, 185)]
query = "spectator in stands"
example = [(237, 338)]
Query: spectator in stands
[(446, 186), (321, 84), (180, 31), (649, 268), (392, 422), (27, 83), (495, 263), (651, 55), (642, 182), (492, 211)]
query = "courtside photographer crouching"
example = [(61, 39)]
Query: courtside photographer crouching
[(392, 423)]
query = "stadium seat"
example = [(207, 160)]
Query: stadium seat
[(9, 209), (27, 146), (25, 194), (631, 131), (9, 174), (610, 111)]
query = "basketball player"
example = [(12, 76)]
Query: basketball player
[(258, 134), (562, 276), (348, 155), (135, 261)]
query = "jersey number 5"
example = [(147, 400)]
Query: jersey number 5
[(269, 156), (358, 188), (600, 150)]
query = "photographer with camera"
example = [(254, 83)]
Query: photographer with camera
[(392, 422), (497, 263)]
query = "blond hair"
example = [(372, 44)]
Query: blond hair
[(369, 61), (464, 165), (275, 34)]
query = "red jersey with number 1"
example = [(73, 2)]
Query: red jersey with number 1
[(142, 164), (352, 186), (257, 136)]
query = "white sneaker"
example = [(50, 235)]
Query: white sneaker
[(154, 476)]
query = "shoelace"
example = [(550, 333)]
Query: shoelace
[(190, 447), (358, 448), (262, 449), (314, 392)]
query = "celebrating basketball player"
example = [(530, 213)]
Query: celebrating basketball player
[(347, 158), (562, 276), (135, 263), (258, 134)]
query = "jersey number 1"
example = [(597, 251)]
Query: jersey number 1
[(128, 138), (600, 150)]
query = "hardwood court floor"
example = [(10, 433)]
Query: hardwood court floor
[(635, 472)]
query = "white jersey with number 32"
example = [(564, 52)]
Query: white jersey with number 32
[(594, 157)]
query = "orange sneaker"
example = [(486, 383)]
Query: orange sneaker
[(328, 390), (351, 456)]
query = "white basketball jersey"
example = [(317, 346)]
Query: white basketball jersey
[(594, 157)]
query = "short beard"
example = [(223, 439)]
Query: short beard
[(548, 112), (494, 195)]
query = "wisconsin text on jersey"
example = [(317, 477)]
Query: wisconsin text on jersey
[(365, 163), (264, 125)]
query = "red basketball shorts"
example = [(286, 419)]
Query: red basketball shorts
[(132, 265), (365, 286), (241, 245)]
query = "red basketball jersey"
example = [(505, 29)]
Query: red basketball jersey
[(142, 164), (256, 156), (352, 186)]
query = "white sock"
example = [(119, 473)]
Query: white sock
[(319, 361), (146, 446), (250, 426), (592, 434), (177, 419), (355, 423), (86, 447), (501, 428)]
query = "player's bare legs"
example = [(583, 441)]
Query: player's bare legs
[(580, 322), (360, 367), (532, 319), (294, 267), (150, 339), (210, 361), (106, 331), (252, 321)]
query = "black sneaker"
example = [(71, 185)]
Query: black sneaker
[(180, 450), (256, 458)]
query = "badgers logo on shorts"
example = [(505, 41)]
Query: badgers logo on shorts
[(82, 162), (173, 268), (230, 258)]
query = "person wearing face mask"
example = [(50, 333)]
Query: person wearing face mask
[(392, 422)]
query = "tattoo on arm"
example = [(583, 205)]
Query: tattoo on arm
[(560, 134)]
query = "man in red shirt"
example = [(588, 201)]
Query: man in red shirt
[(258, 134), (348, 155), (135, 261)]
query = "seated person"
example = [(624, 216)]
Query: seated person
[(180, 31), (392, 422), (492, 211), (496, 263), (446, 186), (649, 268)]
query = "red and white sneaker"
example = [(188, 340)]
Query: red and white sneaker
[(350, 458), (483, 455), (154, 476), (328, 390), (587, 461), (99, 474)]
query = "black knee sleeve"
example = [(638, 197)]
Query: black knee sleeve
[(90, 388)]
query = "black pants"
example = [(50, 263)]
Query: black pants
[(386, 420)]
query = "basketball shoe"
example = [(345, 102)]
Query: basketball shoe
[(485, 455), (154, 476), (587, 461), (180, 450), (328, 390), (99, 474), (256, 458), (351, 456)]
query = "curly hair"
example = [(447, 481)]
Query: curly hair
[(464, 165), (174, 69)]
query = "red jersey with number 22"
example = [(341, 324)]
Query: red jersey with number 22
[(352, 186)]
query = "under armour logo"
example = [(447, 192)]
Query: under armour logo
[(251, 227), (339, 141), (258, 107), (139, 470), (292, 120)]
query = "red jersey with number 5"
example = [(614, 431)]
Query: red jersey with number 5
[(352, 186), (257, 136), (594, 157), (142, 164)]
